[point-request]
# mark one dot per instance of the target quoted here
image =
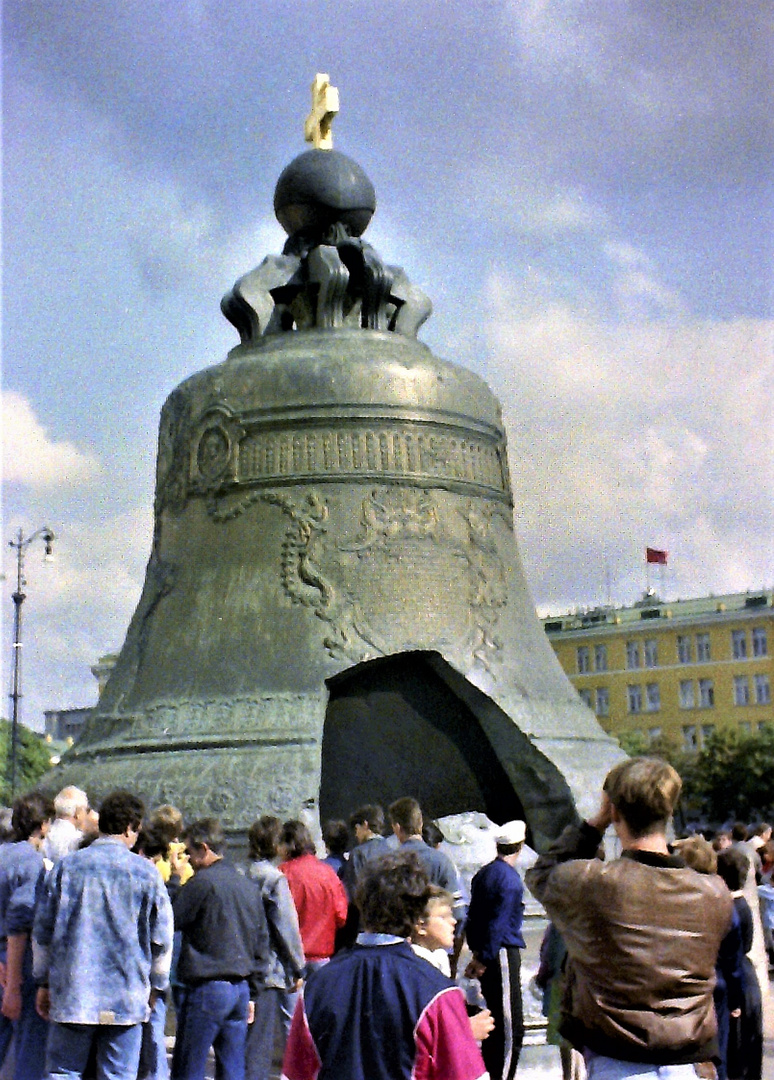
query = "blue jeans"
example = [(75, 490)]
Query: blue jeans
[(69, 1045), (29, 1032), (153, 1057), (599, 1067), (214, 1015)]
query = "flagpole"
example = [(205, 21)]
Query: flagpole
[(656, 555)]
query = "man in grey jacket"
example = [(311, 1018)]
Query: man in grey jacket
[(278, 996), (642, 933), (406, 820)]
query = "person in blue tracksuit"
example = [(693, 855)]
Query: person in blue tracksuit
[(377, 1011), (495, 938)]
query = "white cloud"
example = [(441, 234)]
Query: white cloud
[(557, 35), (636, 285), (178, 242), (515, 192), (79, 606), (36, 459), (95, 584), (636, 433)]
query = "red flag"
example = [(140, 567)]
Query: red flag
[(653, 555)]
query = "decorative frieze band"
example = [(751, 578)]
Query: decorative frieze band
[(375, 452)]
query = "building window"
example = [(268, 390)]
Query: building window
[(707, 731), (634, 696), (762, 690), (585, 696), (690, 741), (583, 660), (683, 649), (739, 644), (759, 641), (741, 690), (764, 725), (745, 727), (654, 733), (703, 648), (686, 694), (651, 653), (600, 657), (706, 694), (632, 654), (603, 701), (652, 697)]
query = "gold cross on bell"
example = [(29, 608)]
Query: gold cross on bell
[(325, 105)]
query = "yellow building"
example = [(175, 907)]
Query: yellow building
[(676, 669)]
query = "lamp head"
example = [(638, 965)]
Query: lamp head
[(48, 540)]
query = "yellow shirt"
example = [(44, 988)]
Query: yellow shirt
[(165, 867)]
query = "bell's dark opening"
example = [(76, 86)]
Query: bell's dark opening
[(394, 727)]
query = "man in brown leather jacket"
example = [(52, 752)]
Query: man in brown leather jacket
[(642, 932)]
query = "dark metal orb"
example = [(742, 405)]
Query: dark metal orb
[(321, 188)]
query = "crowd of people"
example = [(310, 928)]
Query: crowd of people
[(350, 962)]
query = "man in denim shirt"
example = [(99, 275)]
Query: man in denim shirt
[(21, 874), (103, 946)]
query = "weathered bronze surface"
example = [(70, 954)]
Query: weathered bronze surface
[(334, 607)]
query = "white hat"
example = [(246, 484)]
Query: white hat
[(512, 832)]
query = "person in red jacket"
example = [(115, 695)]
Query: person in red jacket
[(319, 896)]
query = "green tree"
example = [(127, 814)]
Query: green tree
[(734, 775), (33, 758), (635, 744)]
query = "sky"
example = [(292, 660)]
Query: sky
[(584, 191)]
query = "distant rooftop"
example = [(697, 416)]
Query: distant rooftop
[(650, 606)]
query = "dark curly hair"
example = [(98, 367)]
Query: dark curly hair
[(119, 811), (392, 893), (29, 813)]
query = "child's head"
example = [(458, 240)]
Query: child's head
[(435, 928)]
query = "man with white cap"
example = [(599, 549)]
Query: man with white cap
[(494, 934)]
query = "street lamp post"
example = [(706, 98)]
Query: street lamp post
[(20, 545)]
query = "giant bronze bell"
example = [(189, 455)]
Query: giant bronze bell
[(334, 610)]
